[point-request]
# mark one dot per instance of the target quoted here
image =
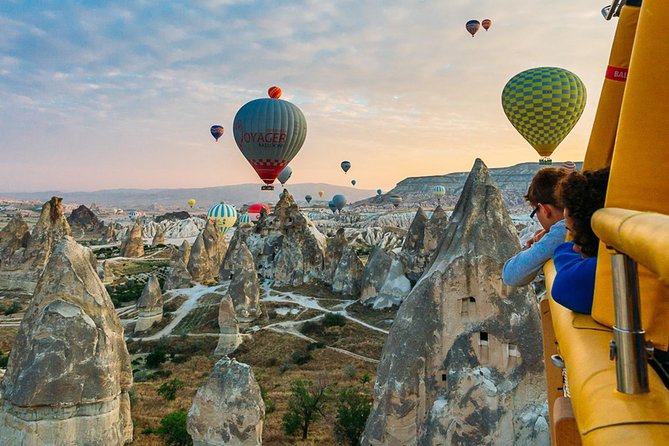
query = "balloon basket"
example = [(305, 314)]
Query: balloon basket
[(267, 187), (545, 161)]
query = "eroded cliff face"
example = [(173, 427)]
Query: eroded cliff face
[(69, 371), (462, 363)]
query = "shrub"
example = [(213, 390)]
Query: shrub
[(353, 407), (169, 389), (13, 308), (309, 328), (156, 357), (3, 360), (366, 378), (173, 429), (300, 357), (334, 319), (351, 371)]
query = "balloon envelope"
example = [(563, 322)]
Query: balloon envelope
[(438, 191), (269, 133), (274, 92), (395, 200), (472, 26), (339, 201), (321, 193), (353, 182), (544, 104), (191, 202), (223, 216), (332, 206), (486, 24), (308, 198), (285, 175), (244, 218), (379, 191), (132, 215), (255, 209), (345, 165), (216, 131)]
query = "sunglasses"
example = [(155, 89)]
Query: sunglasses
[(534, 212)]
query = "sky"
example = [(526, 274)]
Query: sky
[(121, 94)]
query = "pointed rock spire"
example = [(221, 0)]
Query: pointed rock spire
[(133, 245)]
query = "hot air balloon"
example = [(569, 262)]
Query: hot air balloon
[(244, 218), (345, 165), (285, 175), (191, 202), (321, 193), (255, 209), (216, 131), (339, 201), (274, 92), (438, 191), (133, 215), (269, 133), (472, 26), (395, 200), (486, 23), (353, 182), (332, 206), (223, 216), (569, 166), (379, 191), (308, 198), (544, 104)]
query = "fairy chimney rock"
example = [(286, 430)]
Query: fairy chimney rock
[(244, 289), (229, 337), (228, 409), (69, 371), (348, 276), (462, 363), (159, 237), (13, 237), (149, 305), (133, 245), (199, 262)]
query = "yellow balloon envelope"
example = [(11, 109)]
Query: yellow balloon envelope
[(191, 202), (544, 104)]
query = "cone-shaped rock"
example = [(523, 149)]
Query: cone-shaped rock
[(214, 243), (179, 277), (184, 252), (244, 289), (395, 287), (133, 245), (13, 237), (376, 271), (199, 263), (348, 276), (229, 338), (149, 305), (228, 409), (109, 233), (69, 372), (159, 237), (333, 252), (413, 254), (232, 257), (462, 363), (84, 219)]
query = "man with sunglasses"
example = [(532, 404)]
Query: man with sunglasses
[(541, 195)]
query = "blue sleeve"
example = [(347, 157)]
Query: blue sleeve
[(522, 268), (574, 284)]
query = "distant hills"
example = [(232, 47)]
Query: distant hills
[(238, 194)]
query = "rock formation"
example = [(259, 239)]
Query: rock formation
[(85, 220), (69, 371), (133, 245), (228, 338), (149, 305), (462, 363), (178, 215), (384, 284), (215, 245), (244, 290), (199, 262), (421, 242), (23, 268), (228, 409), (178, 277), (159, 237), (348, 276), (109, 234), (184, 252), (13, 237), (333, 253)]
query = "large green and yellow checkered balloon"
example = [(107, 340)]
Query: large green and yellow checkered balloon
[(544, 104)]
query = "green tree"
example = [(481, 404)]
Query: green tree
[(173, 429), (305, 406), (353, 407), (169, 389), (156, 357)]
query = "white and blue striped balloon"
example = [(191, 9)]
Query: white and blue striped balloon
[(245, 218), (438, 191), (223, 216)]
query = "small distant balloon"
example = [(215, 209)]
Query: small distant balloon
[(345, 166), (192, 202), (486, 24), (307, 198), (438, 191), (332, 206), (217, 131), (132, 215), (244, 218), (569, 166), (379, 191), (274, 92), (321, 193), (353, 182), (395, 200), (473, 26), (285, 175)]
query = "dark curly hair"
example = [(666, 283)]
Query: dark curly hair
[(581, 195), (543, 188)]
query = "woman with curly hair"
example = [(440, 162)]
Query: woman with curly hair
[(580, 195)]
